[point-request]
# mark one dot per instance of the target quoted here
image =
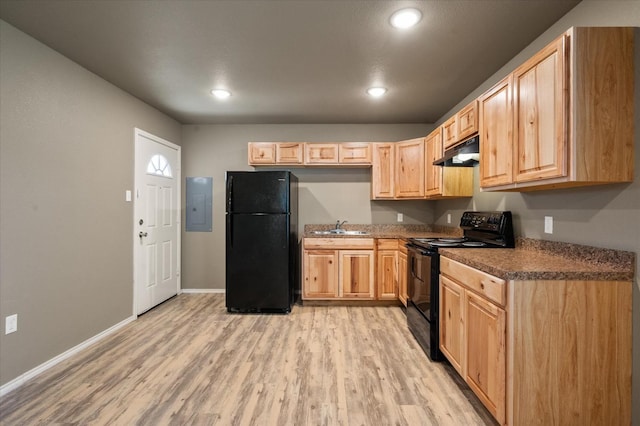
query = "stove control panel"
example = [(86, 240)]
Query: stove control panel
[(489, 221)]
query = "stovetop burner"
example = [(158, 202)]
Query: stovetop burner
[(481, 229)]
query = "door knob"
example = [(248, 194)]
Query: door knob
[(142, 234)]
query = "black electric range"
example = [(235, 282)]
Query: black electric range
[(480, 230)]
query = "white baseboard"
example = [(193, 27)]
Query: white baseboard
[(20, 380), (203, 290)]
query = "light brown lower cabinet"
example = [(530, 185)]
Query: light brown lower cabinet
[(452, 322), (338, 268), (320, 274), (484, 343), (547, 352), (391, 270), (387, 269), (350, 269), (402, 272)]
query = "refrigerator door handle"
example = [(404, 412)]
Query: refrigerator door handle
[(230, 230), (229, 193)]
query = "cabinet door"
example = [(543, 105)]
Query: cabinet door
[(354, 153), (485, 353), (289, 153), (382, 171), (433, 174), (410, 169), (496, 135), (449, 132), (320, 274), (262, 153), (387, 275), (541, 108), (452, 322), (402, 277), (321, 153), (356, 274), (467, 120)]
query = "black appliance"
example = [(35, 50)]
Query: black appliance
[(464, 154), (481, 230), (261, 241)]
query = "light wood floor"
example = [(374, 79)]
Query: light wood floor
[(188, 362)]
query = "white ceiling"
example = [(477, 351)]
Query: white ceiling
[(289, 61)]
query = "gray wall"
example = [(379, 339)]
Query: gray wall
[(325, 194), (602, 216), (66, 159)]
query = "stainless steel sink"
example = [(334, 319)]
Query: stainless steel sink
[(339, 232)]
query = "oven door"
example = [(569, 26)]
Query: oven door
[(419, 279), (422, 298)]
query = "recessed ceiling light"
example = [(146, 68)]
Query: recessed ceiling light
[(376, 92), (221, 93), (405, 18)]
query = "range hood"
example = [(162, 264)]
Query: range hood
[(465, 154)]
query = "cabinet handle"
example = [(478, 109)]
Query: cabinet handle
[(482, 286)]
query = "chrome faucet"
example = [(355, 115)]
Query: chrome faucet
[(339, 225)]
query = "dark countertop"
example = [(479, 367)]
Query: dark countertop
[(530, 260), (545, 260)]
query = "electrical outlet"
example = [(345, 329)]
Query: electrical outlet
[(11, 324), (127, 195), (448, 217), (548, 224), (400, 217)]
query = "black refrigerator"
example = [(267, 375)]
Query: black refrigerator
[(261, 241)]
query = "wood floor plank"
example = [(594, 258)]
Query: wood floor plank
[(189, 362)]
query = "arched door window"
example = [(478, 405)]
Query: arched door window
[(159, 166)]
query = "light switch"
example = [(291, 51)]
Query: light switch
[(11, 324)]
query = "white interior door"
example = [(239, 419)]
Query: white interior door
[(156, 221)]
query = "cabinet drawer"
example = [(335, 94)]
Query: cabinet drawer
[(338, 243), (488, 286), (386, 244)]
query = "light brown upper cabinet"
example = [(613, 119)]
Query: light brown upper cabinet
[(444, 182), (289, 153), (273, 153), (540, 108), (262, 153), (382, 171), (496, 128), (433, 152), (467, 121), (409, 170), (348, 154), (449, 132), (354, 153), (321, 153), (570, 120)]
